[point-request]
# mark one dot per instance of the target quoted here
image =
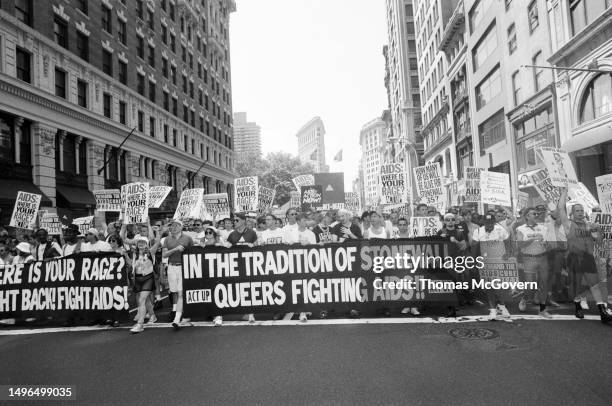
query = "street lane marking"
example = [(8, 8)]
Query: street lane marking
[(312, 322)]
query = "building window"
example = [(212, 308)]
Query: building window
[(165, 67), (121, 28), (174, 137), (122, 112), (597, 99), (185, 143), (140, 121), (538, 73), (184, 53), (171, 11), (141, 84), (166, 101), (151, 21), (191, 93), (140, 47), (486, 46), (535, 132), (23, 11), (60, 31), (492, 131), (476, 13), (140, 9), (184, 84), (164, 34), (152, 127), (192, 119), (532, 12), (511, 38), (489, 88), (107, 22), (583, 13), (516, 87), (60, 83), (166, 133), (107, 62), (82, 6), (23, 65), (173, 42), (151, 56), (123, 72), (173, 72), (175, 106), (83, 46), (152, 91), (185, 114), (107, 101), (82, 93)]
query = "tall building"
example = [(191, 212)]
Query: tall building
[(403, 84), (311, 144), (247, 137), (581, 40), (372, 139), (438, 139), (513, 108), (77, 76)]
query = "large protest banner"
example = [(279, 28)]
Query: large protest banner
[(503, 270), (157, 195), (604, 192), (559, 166), (108, 200), (136, 203), (25, 210), (424, 226), (84, 223), (51, 223), (189, 204), (217, 205), (548, 192), (282, 278), (429, 186), (303, 180), (604, 248), (266, 198), (394, 184), (495, 188), (246, 194), (472, 184), (89, 284), (312, 197)]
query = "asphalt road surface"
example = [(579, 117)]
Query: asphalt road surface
[(394, 362)]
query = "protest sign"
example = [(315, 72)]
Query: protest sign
[(51, 223), (25, 210), (503, 270), (217, 205), (296, 200), (333, 186), (352, 202), (108, 200), (84, 223), (495, 188), (394, 184), (266, 198), (136, 203), (246, 194), (189, 204), (424, 226), (429, 186), (472, 184), (604, 192), (89, 284), (303, 180), (604, 248), (559, 166), (523, 198), (338, 277), (157, 195), (312, 197), (548, 192)]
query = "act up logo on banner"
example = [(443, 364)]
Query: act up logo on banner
[(333, 186), (247, 194)]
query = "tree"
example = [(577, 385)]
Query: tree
[(275, 171)]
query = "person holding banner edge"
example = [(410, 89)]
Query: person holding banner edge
[(173, 248)]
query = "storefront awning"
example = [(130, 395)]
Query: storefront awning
[(588, 138), (75, 197), (10, 187)]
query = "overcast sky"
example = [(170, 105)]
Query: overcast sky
[(296, 59)]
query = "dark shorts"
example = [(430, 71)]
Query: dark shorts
[(582, 263), (144, 283)]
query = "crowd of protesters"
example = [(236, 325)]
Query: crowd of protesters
[(554, 248)]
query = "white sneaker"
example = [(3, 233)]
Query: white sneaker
[(217, 321), (303, 317), (138, 328), (522, 305), (251, 318), (545, 314), (406, 310), (414, 311), (8, 322), (584, 304), (152, 319), (503, 311), (492, 314)]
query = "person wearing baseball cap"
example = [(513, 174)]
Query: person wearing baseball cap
[(93, 243)]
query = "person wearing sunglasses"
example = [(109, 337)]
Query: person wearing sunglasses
[(211, 237), (272, 234), (290, 231)]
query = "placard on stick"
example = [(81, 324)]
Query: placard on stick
[(25, 210)]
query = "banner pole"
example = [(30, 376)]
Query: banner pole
[(119, 147)]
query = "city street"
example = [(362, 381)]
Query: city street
[(396, 361)]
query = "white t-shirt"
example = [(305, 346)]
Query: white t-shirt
[(526, 233), (290, 234), (382, 234), (69, 249), (271, 236), (306, 237), (492, 244), (98, 246)]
